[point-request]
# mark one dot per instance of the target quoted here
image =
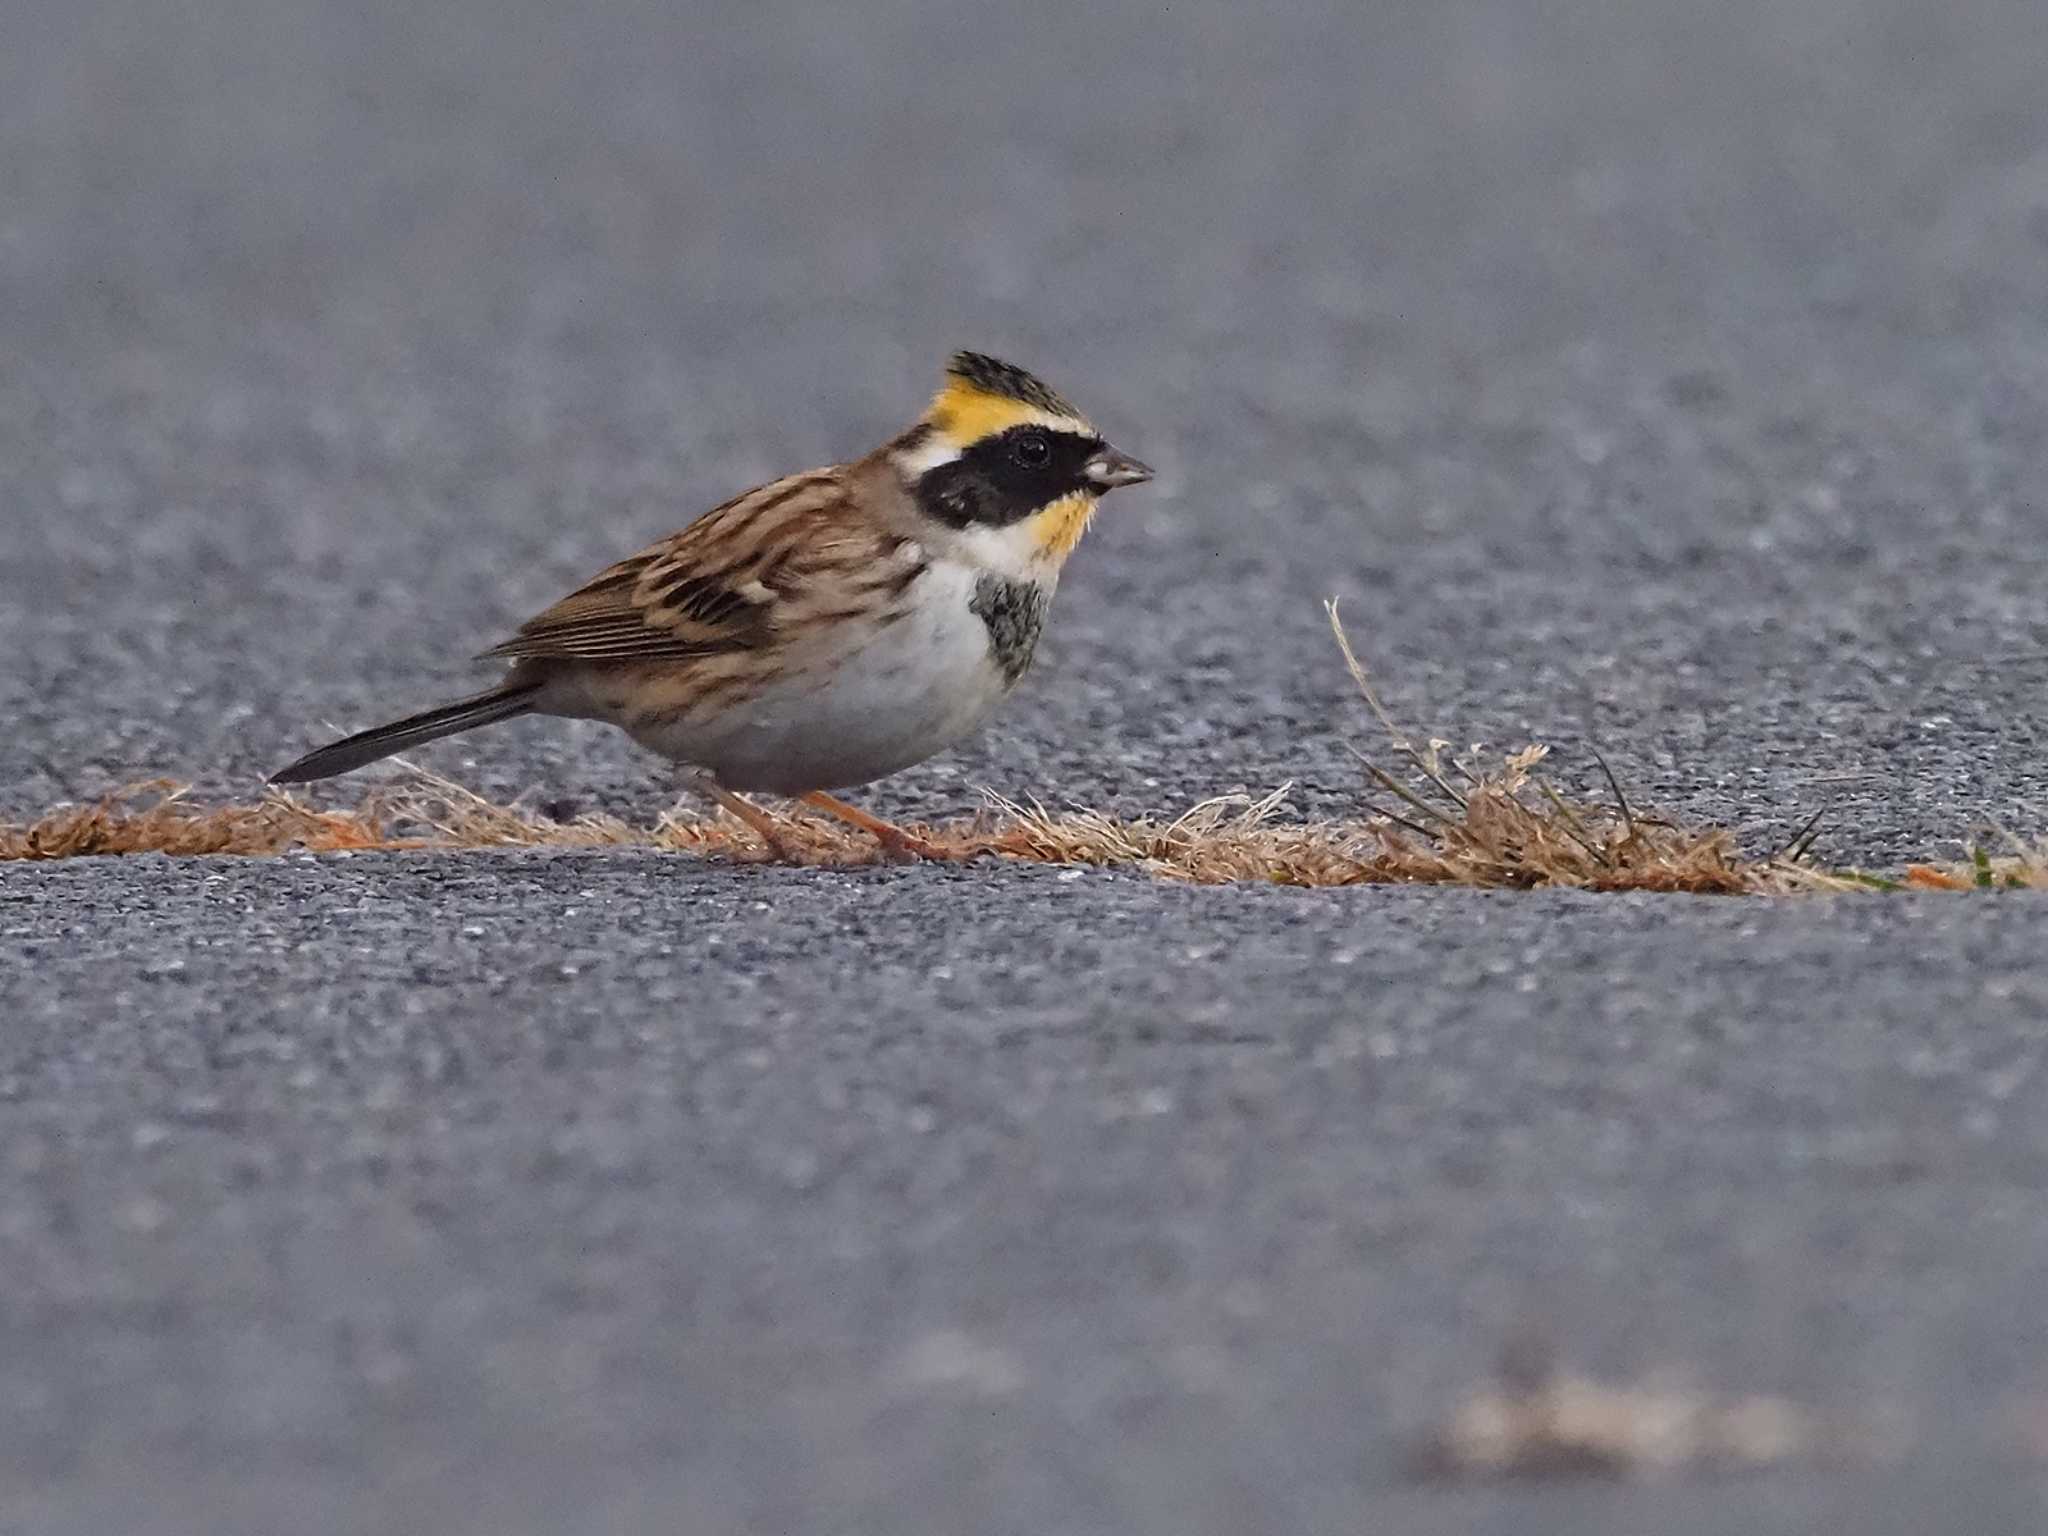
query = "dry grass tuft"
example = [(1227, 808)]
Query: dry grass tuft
[(1500, 836), (425, 812), (1224, 840), (153, 817), (1441, 819), (1229, 838), (1497, 822), (1550, 1424)]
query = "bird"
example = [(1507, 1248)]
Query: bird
[(823, 630)]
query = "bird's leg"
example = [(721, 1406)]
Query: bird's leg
[(766, 827), (896, 843)]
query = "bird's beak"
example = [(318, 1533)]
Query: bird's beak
[(1110, 468)]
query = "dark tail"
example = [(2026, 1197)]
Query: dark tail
[(429, 725)]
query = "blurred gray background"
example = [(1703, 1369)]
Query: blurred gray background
[(1661, 377)]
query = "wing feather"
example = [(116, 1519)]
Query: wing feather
[(720, 585)]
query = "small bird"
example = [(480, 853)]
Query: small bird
[(825, 629)]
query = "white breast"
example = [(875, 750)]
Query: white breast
[(846, 716)]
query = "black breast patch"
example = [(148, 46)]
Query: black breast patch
[(1014, 612)]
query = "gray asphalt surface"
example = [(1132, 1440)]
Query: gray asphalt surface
[(1658, 377)]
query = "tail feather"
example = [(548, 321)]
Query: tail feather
[(429, 725)]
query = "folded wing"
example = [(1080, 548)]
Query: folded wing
[(717, 586)]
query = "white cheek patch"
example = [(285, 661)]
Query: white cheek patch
[(1011, 551), (928, 455)]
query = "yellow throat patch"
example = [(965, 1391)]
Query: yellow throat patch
[(1057, 527)]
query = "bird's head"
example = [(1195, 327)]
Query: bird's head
[(1000, 458)]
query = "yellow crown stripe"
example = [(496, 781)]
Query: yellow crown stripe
[(967, 414)]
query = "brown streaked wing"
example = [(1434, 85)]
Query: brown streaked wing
[(714, 587)]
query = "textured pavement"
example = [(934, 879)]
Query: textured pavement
[(1659, 378)]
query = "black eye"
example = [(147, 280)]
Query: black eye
[(1031, 451)]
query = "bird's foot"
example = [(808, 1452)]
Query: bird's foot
[(897, 844), (772, 830)]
